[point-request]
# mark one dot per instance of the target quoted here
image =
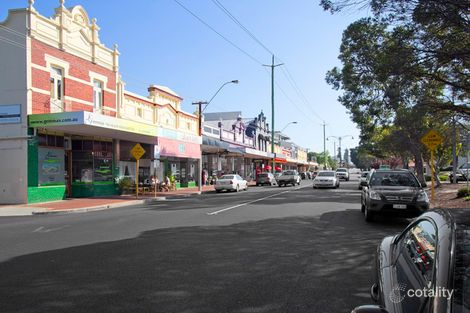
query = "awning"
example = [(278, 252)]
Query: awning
[(91, 124), (212, 145)]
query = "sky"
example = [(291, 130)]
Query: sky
[(162, 43)]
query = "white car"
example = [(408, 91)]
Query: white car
[(342, 173), (231, 182), (363, 178), (326, 179)]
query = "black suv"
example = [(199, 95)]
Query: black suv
[(393, 191)]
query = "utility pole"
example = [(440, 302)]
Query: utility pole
[(454, 151), (272, 110), (199, 110), (324, 146)]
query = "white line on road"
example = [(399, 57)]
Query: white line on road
[(257, 200), (246, 203), (43, 229)]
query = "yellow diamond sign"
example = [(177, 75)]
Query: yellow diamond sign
[(432, 139), (137, 151)]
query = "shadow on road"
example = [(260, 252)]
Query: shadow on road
[(301, 264)]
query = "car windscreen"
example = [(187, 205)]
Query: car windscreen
[(263, 175), (288, 173), (462, 270), (364, 174), (341, 170), (327, 174), (393, 179), (227, 177)]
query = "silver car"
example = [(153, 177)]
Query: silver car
[(231, 182), (363, 178), (326, 179)]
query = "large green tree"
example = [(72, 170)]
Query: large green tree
[(438, 38)]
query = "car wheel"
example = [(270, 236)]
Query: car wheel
[(218, 190), (368, 215), (257, 185)]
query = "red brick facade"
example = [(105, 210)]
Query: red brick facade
[(77, 83)]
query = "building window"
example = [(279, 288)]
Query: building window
[(57, 83), (97, 95), (139, 112)]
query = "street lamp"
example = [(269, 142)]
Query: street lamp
[(200, 110), (287, 125), (339, 139)]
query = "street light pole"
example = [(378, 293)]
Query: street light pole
[(200, 110), (272, 110)]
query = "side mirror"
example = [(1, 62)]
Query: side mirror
[(369, 309), (364, 184), (424, 184)]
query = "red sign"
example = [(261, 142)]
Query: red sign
[(277, 160), (179, 149)]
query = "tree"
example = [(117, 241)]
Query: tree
[(438, 36)]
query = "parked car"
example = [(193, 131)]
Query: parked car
[(231, 182), (326, 179), (396, 192), (342, 173), (265, 179), (462, 173), (362, 178), (289, 177), (432, 254)]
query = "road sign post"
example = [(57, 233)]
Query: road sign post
[(432, 140), (137, 152)]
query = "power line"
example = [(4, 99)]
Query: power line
[(236, 21), (215, 31), (285, 71)]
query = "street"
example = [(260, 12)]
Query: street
[(269, 249)]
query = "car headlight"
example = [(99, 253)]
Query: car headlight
[(374, 195), (422, 196)]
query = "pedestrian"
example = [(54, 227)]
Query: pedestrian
[(204, 177)]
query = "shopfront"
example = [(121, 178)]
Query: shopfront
[(179, 159), (76, 154)]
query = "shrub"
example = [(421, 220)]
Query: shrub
[(467, 198), (443, 177), (125, 183), (463, 192)]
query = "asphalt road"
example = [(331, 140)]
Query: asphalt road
[(270, 249)]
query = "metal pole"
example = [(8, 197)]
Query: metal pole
[(272, 114), (433, 193), (454, 152), (137, 178), (324, 147), (200, 159), (272, 111), (340, 156)]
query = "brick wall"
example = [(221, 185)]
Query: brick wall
[(80, 89)]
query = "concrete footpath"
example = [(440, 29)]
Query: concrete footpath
[(79, 205)]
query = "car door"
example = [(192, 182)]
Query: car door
[(414, 268)]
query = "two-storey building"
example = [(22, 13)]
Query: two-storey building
[(66, 123)]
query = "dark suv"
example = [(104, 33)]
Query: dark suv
[(396, 192)]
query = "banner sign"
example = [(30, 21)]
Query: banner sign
[(10, 114)]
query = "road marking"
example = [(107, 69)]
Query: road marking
[(246, 203), (43, 229)]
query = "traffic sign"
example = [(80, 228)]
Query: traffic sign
[(137, 151), (432, 139)]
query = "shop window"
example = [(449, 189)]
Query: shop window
[(50, 141), (57, 83), (87, 145), (77, 145), (98, 95)]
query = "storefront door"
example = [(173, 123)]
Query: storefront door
[(68, 173)]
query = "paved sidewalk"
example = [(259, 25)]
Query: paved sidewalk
[(78, 205)]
